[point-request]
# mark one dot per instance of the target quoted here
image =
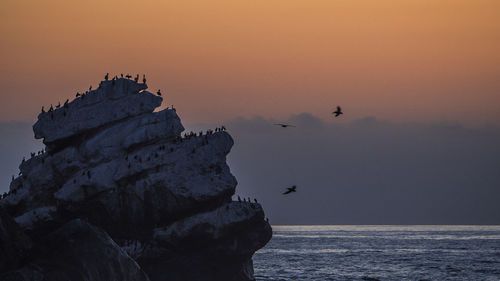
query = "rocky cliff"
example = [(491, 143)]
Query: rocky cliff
[(120, 182)]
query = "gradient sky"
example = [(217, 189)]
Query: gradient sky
[(419, 82), (412, 60)]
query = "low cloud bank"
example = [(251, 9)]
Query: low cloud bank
[(17, 142), (368, 171)]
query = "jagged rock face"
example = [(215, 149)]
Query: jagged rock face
[(13, 243), (78, 251), (110, 102), (126, 169), (229, 235)]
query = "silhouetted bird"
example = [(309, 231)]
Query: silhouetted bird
[(66, 103), (338, 112), (239, 198), (128, 76), (255, 199), (106, 77), (90, 88), (58, 105), (43, 110), (291, 189), (158, 93), (284, 125), (136, 78), (144, 79), (77, 94)]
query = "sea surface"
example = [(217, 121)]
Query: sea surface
[(380, 253)]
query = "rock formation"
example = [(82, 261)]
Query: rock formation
[(118, 182)]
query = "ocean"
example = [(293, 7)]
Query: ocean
[(372, 253)]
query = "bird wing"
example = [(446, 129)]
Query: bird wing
[(286, 192), (278, 124)]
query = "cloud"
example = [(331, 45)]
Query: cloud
[(368, 171)]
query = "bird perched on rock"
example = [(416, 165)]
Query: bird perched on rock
[(158, 93), (291, 189), (338, 111), (284, 125), (106, 77), (144, 79)]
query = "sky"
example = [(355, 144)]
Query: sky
[(418, 82), (412, 60)]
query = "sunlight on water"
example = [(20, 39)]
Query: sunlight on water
[(424, 252)]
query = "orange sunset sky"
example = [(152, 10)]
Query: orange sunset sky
[(411, 60)]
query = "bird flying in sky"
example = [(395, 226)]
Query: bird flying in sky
[(284, 125), (291, 189), (338, 111)]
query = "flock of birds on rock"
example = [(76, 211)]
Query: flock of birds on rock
[(65, 107), (189, 135), (82, 95)]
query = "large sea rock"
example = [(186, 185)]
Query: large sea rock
[(123, 179)]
